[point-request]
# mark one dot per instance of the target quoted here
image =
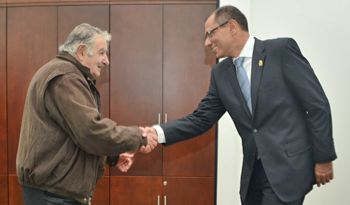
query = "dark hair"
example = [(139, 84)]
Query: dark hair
[(227, 13)]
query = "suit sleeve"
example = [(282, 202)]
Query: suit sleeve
[(305, 85), (209, 111)]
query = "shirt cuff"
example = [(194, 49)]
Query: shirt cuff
[(161, 135)]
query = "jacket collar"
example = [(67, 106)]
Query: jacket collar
[(83, 69)]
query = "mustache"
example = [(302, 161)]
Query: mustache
[(101, 65)]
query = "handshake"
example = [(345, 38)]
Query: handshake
[(126, 159), (152, 139)]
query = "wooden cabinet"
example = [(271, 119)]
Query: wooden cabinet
[(3, 98), (14, 190), (187, 64), (135, 190), (31, 42), (4, 189), (188, 190), (53, 1), (160, 69), (162, 190), (136, 75)]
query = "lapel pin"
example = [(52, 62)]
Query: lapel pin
[(260, 63)]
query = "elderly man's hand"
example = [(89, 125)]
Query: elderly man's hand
[(152, 137), (125, 161)]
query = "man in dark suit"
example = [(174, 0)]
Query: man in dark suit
[(279, 109)]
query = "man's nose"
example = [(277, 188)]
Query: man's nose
[(207, 42), (105, 60)]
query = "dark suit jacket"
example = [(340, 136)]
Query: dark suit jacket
[(291, 124)]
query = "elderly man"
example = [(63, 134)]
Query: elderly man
[(64, 140)]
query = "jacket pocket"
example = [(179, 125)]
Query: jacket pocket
[(298, 147)]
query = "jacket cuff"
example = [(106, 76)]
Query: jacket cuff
[(112, 160)]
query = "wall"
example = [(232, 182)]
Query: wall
[(321, 30)]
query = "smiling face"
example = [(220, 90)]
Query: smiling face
[(227, 40), (219, 42), (99, 57)]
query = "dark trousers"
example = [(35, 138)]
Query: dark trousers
[(39, 197), (260, 191)]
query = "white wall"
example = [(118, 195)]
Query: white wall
[(321, 29)]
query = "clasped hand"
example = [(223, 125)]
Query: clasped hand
[(152, 139)]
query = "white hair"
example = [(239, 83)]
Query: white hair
[(85, 34)]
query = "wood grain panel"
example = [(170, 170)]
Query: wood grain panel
[(32, 42), (136, 190), (71, 16), (189, 191), (15, 191), (166, 1), (4, 189), (52, 1), (187, 65), (136, 75), (3, 97), (101, 193)]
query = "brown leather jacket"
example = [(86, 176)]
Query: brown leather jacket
[(64, 140)]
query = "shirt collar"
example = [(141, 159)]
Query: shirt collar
[(248, 48)]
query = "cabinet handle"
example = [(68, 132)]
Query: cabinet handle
[(166, 118), (158, 118), (158, 200), (164, 200)]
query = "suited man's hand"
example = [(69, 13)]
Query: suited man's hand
[(324, 173), (152, 137)]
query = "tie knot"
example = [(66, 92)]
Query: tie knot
[(239, 61)]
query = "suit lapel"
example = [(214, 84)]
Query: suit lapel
[(258, 62)]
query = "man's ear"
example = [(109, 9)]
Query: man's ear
[(233, 26), (81, 51)]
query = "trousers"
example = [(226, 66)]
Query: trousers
[(38, 197), (260, 191)]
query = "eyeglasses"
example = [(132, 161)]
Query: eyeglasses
[(209, 33)]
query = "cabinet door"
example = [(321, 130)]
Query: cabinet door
[(136, 76), (136, 190), (4, 189), (31, 42), (187, 65), (15, 191), (189, 191), (51, 1), (3, 108), (102, 191)]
